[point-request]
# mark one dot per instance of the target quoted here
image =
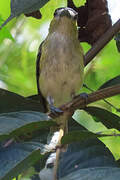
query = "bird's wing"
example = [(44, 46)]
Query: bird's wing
[(38, 66), (38, 76)]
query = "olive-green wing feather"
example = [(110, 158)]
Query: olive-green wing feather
[(38, 76), (38, 67)]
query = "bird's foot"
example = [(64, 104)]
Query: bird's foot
[(83, 95), (55, 110)]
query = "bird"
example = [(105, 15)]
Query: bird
[(60, 64)]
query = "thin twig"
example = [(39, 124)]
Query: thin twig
[(107, 102), (108, 35)]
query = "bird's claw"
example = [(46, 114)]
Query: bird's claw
[(55, 110), (85, 96)]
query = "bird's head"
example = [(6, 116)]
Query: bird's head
[(66, 12), (65, 20)]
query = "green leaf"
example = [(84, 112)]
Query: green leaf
[(18, 157), (111, 82), (76, 136), (109, 119), (24, 6), (10, 102), (16, 123)]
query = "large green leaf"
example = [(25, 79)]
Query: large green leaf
[(109, 119), (18, 157), (10, 102), (18, 123)]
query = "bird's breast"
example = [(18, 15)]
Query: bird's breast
[(61, 68)]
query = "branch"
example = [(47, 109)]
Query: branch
[(108, 35), (80, 102)]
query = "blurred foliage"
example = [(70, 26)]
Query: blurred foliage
[(20, 55), (19, 42), (18, 58)]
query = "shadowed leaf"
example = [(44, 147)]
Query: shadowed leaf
[(17, 158), (11, 102), (18, 123), (111, 82), (76, 136)]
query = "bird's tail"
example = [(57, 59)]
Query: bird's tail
[(63, 125), (62, 121)]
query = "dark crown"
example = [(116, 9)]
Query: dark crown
[(65, 11)]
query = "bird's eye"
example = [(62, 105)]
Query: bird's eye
[(58, 11)]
